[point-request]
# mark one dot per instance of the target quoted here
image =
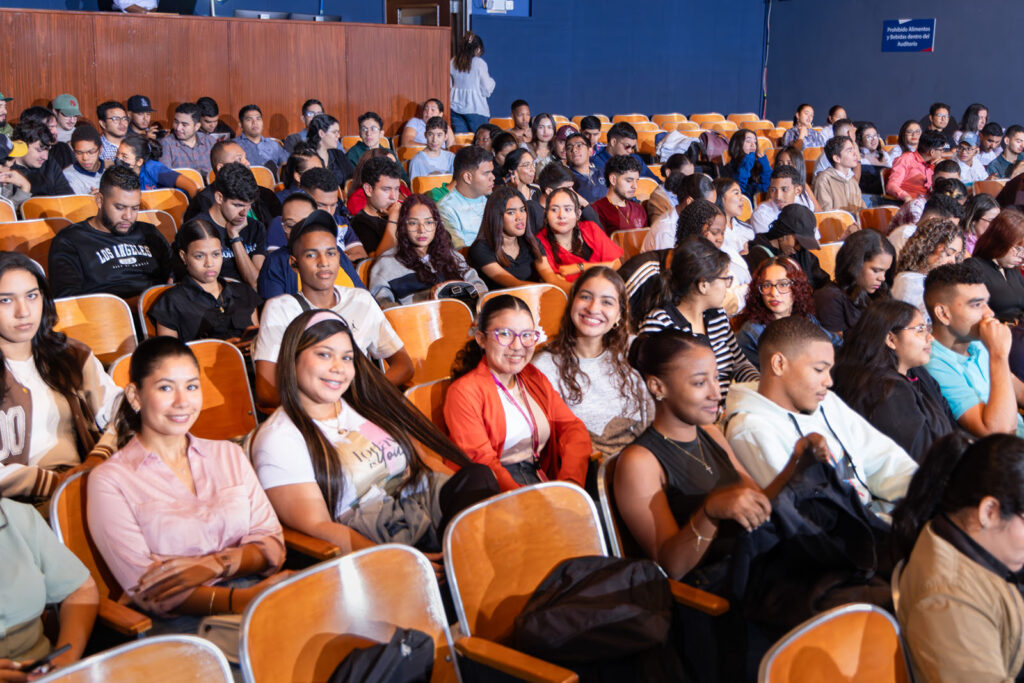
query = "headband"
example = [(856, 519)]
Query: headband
[(322, 315)]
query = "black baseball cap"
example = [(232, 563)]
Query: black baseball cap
[(796, 220), (139, 104), (318, 220)]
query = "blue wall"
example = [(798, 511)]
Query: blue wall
[(828, 52), (609, 56)]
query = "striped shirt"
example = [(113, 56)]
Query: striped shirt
[(733, 366)]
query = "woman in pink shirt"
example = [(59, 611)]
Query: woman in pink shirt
[(175, 516), (912, 172)]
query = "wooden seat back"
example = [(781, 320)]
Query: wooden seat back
[(103, 322), (432, 332), (300, 629), (547, 302), (167, 659)]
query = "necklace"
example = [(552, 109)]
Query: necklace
[(700, 449)]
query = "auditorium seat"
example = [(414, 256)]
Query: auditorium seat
[(167, 659), (74, 207), (856, 643), (668, 121), (645, 187), (629, 118), (103, 322), (741, 118), (748, 209), (171, 200), (706, 118), (407, 153), (264, 176), (827, 256), (193, 175), (992, 187), (32, 238), (432, 332), (878, 218), (832, 224), (631, 241), (300, 629), (146, 301), (7, 212), (547, 302), (429, 400), (425, 183), (163, 221)]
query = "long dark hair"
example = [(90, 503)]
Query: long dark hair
[(866, 368), (957, 474), (694, 260), (442, 264), (803, 295), (862, 130), (369, 394), (902, 137), (859, 248), (615, 341), (976, 207), (298, 163), (969, 121), (54, 360), (472, 353), (144, 361), (736, 154), (466, 50), (320, 124), (579, 247), (492, 227), (653, 352)]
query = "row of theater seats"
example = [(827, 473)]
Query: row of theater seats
[(496, 554)]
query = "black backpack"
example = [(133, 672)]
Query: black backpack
[(407, 658)]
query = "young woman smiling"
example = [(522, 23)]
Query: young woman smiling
[(505, 252), (779, 290), (586, 362), (503, 412), (203, 305), (570, 244)]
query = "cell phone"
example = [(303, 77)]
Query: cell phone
[(33, 667)]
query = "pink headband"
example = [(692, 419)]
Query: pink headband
[(323, 315)]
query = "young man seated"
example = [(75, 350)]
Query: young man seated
[(371, 128), (622, 142), (590, 128), (267, 205), (43, 173), (111, 252), (244, 238), (791, 235), (113, 119), (186, 147), (322, 185), (971, 168), (1013, 151), (374, 226), (316, 257), (462, 209), (842, 127), (837, 187), (84, 174), (990, 143), (971, 353), (588, 182), (783, 189), (619, 209), (277, 276), (764, 420), (434, 159), (520, 111), (258, 149), (209, 120), (912, 172)]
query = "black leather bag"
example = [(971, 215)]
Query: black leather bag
[(456, 289), (407, 658)]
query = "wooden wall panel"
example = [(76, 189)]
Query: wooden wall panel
[(98, 56)]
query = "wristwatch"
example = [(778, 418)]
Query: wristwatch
[(233, 240)]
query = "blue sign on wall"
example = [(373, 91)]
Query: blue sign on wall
[(908, 35)]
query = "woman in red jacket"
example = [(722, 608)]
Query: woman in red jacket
[(502, 412)]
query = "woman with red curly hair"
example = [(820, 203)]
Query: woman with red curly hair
[(423, 256), (779, 289)]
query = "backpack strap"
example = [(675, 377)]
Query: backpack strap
[(302, 302)]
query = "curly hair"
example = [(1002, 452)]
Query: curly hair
[(615, 341), (695, 218), (755, 309), (441, 263), (931, 234)]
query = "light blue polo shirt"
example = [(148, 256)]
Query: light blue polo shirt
[(964, 380)]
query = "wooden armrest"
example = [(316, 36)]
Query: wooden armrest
[(123, 619), (308, 545), (513, 662), (697, 599)]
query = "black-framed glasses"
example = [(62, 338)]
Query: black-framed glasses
[(781, 286), (727, 278), (505, 336)]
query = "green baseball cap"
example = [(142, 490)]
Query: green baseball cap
[(67, 105), (5, 98)]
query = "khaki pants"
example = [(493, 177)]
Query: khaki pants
[(25, 642)]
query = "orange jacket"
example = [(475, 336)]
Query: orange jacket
[(476, 423)]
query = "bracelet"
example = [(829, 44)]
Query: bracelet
[(693, 528), (213, 593), (392, 222), (231, 600), (234, 240)]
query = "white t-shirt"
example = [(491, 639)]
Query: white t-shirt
[(518, 445), (374, 463), (371, 330)]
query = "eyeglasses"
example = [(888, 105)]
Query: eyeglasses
[(1017, 250), (504, 336), (373, 129), (577, 145), (727, 278), (427, 224), (922, 329), (118, 119), (871, 136), (525, 165), (782, 286)]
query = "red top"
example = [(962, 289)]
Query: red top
[(476, 422), (628, 217), (357, 202), (910, 177), (604, 249)]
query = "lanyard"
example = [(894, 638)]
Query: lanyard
[(526, 413)]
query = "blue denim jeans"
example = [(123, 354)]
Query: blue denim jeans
[(467, 123)]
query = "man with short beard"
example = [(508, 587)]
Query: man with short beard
[(112, 252), (113, 120), (5, 127)]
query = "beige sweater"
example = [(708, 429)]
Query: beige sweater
[(836, 192), (961, 622)]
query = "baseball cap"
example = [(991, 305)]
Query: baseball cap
[(11, 149), (67, 105), (796, 220), (137, 104), (969, 139), (5, 98), (319, 220), (564, 131)]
